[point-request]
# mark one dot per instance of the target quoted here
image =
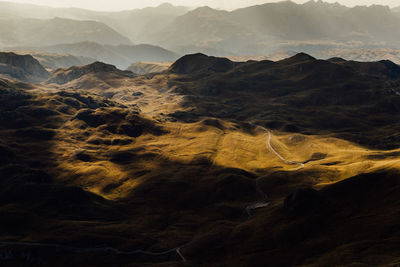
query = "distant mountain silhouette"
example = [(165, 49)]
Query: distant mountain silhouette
[(120, 55), (284, 25), (362, 54), (261, 29), (135, 23), (35, 32)]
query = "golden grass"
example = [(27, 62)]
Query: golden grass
[(188, 143)]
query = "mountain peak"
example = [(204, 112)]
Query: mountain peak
[(198, 62), (166, 5), (63, 76), (300, 57), (100, 67), (205, 10)]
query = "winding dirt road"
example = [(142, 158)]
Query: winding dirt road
[(268, 137), (264, 202)]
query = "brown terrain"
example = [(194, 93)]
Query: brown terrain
[(211, 162)]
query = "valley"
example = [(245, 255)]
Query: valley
[(181, 167)]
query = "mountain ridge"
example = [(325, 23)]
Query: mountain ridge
[(119, 55), (309, 27), (55, 31)]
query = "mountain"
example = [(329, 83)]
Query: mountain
[(21, 67), (146, 20), (24, 10), (148, 67), (205, 27), (261, 29), (18, 32), (200, 62), (95, 75), (282, 26), (121, 55), (154, 18), (56, 61)]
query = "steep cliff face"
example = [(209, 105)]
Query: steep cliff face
[(22, 67)]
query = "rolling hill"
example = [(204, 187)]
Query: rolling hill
[(297, 159), (298, 85)]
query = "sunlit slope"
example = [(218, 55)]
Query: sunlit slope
[(252, 132), (113, 165), (297, 164)]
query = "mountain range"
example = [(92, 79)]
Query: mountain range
[(119, 55), (261, 29), (18, 32)]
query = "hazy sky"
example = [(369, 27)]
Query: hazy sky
[(224, 4)]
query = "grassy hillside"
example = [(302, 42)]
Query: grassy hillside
[(211, 162)]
